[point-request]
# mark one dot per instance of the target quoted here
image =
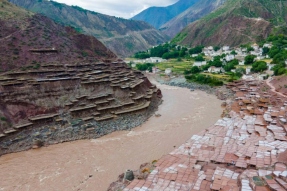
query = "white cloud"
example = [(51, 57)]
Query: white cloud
[(119, 8)]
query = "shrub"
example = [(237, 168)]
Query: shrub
[(3, 118)]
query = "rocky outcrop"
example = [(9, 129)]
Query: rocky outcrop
[(129, 36), (60, 85)]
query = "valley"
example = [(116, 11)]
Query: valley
[(187, 96), (93, 164)]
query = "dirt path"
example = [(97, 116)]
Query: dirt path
[(91, 165), (273, 89)]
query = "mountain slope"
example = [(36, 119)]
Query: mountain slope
[(157, 16), (58, 85), (129, 36), (195, 12), (22, 31), (236, 22)]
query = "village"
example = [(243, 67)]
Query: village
[(172, 67)]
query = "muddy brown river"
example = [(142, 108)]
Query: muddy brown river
[(91, 165)]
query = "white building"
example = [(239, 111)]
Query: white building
[(241, 63), (248, 77), (225, 48), (214, 69), (248, 70), (229, 57), (210, 48), (197, 63), (194, 55), (168, 71), (267, 45), (155, 60), (260, 57), (155, 70), (255, 46)]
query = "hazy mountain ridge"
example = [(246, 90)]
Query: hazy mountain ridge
[(21, 31), (158, 16), (236, 22), (106, 28), (195, 12)]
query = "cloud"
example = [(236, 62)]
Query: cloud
[(119, 8)]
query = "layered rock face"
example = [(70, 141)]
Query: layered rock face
[(59, 85), (73, 101)]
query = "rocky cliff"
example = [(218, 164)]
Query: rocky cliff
[(59, 85), (158, 16), (122, 36), (195, 12), (236, 22)]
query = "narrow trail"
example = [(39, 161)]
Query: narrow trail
[(273, 89)]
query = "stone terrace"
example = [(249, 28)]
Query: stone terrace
[(242, 151)]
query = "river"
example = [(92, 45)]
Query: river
[(91, 165)]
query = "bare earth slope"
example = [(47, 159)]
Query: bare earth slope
[(236, 22), (59, 85), (130, 36)]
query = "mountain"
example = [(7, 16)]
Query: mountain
[(195, 12), (59, 85), (158, 16), (22, 31), (122, 36), (236, 22)]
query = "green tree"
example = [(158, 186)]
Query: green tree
[(249, 59), (199, 58), (279, 69), (249, 49), (229, 66), (233, 52), (182, 53), (266, 50), (142, 55), (273, 51), (216, 62), (216, 48), (259, 66), (195, 70), (196, 50)]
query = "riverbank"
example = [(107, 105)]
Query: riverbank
[(94, 164)]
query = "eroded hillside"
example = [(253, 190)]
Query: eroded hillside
[(59, 85), (236, 22), (129, 36)]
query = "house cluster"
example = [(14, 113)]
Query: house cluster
[(147, 60), (246, 150), (240, 55)]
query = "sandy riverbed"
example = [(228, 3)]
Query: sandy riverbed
[(91, 165)]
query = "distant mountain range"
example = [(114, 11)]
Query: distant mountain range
[(193, 13), (122, 36), (172, 19), (236, 22), (158, 16)]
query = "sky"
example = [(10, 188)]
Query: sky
[(120, 8)]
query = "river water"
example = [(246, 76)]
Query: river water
[(91, 165)]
